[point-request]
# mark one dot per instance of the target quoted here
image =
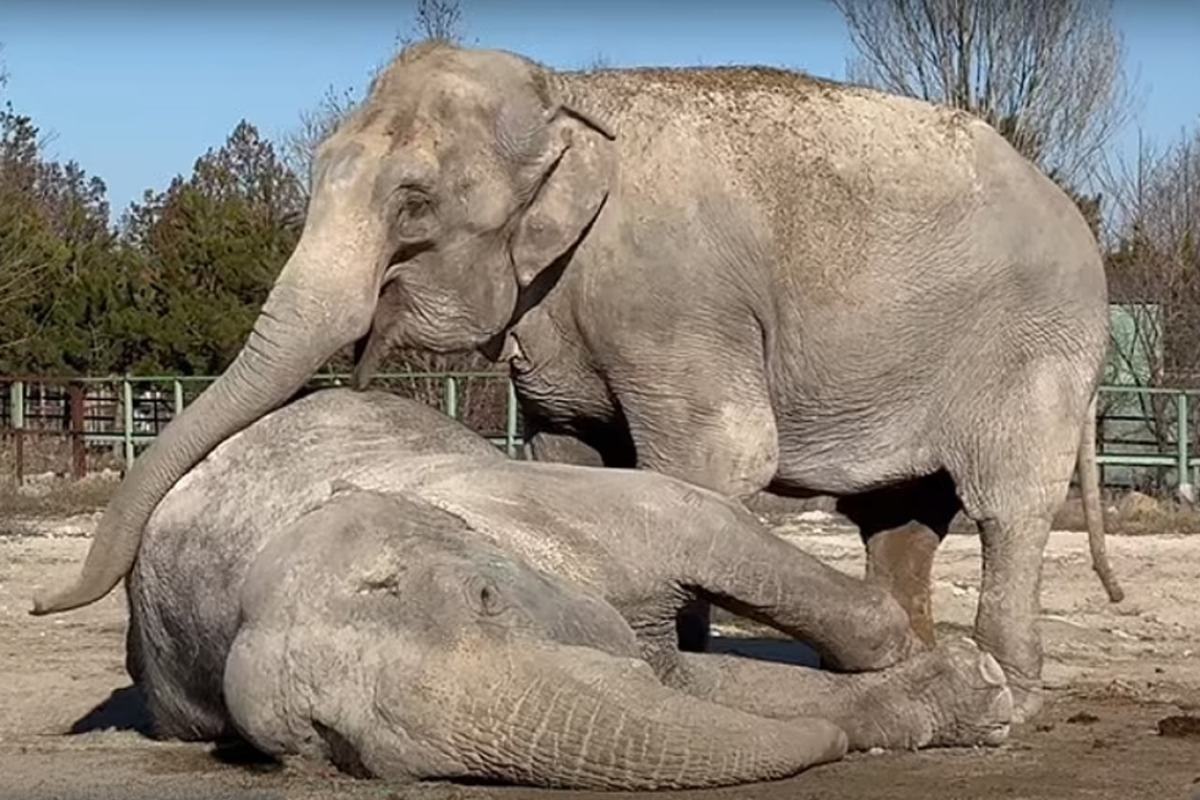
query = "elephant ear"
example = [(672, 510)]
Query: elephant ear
[(572, 182)]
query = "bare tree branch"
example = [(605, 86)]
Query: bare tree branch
[(298, 147), (439, 20), (1048, 74), (433, 20), (1153, 235)]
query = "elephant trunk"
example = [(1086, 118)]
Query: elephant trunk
[(582, 719), (301, 326)]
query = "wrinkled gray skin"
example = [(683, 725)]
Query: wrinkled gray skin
[(360, 578), (746, 278)]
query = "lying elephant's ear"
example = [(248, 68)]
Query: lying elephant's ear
[(571, 187)]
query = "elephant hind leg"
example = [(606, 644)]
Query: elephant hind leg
[(1012, 479), (902, 527)]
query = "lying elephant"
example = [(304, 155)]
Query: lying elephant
[(746, 278), (358, 577)]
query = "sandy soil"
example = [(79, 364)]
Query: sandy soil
[(69, 722)]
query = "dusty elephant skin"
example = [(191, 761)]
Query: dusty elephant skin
[(743, 277), (359, 578)]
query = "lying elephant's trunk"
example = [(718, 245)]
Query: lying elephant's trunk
[(579, 718)]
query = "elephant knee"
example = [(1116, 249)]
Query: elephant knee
[(750, 458)]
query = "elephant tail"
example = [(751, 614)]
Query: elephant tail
[(1093, 512)]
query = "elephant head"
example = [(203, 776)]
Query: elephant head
[(381, 634), (461, 178)]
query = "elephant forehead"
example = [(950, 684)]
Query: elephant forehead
[(428, 108)]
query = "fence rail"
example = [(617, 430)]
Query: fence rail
[(1145, 434), (125, 413)]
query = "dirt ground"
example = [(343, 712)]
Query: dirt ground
[(69, 721)]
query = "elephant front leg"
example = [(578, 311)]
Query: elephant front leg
[(707, 436), (718, 434)]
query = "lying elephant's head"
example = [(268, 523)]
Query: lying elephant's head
[(378, 633), (461, 178)]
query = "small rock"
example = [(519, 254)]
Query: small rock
[(1180, 726), (876, 751), (1136, 503)]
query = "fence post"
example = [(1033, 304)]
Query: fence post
[(17, 396), (177, 387), (1183, 456), (450, 392), (75, 399), (510, 420), (127, 420)]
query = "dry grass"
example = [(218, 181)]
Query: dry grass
[(57, 497), (1133, 514)]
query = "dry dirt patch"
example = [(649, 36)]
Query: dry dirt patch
[(1115, 671)]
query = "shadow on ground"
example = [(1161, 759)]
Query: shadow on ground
[(124, 710), (783, 651)]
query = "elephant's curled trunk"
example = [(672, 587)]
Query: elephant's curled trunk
[(295, 333)]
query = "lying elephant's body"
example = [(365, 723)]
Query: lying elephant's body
[(746, 278), (448, 608)]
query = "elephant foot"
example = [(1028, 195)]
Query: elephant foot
[(954, 695), (1028, 699)]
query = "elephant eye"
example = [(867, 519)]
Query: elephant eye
[(416, 219), (486, 597), (415, 207)]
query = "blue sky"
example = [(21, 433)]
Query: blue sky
[(136, 93)]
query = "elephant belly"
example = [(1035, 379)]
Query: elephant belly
[(823, 455)]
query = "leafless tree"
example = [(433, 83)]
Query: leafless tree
[(298, 146), (433, 20), (1153, 242), (440, 20), (597, 63), (1153, 238), (1048, 74)]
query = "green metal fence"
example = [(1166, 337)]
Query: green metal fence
[(1145, 431), (1164, 418), (445, 390)]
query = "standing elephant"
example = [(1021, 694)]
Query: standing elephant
[(360, 578), (743, 277)]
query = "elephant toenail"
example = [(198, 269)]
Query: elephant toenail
[(997, 736), (991, 671), (1001, 708)]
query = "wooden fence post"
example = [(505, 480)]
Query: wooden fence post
[(75, 396), (18, 423)]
